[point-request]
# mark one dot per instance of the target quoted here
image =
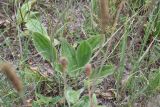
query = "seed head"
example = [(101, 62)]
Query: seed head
[(8, 70), (63, 61), (88, 69)]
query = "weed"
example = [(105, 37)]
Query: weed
[(81, 44)]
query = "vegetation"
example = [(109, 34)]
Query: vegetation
[(81, 53)]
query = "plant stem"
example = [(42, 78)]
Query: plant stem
[(90, 95)]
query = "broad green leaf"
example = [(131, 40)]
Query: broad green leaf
[(34, 25), (104, 72), (94, 41), (24, 11), (69, 52), (83, 53), (44, 47), (72, 96)]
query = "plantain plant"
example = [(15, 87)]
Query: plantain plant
[(76, 59)]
